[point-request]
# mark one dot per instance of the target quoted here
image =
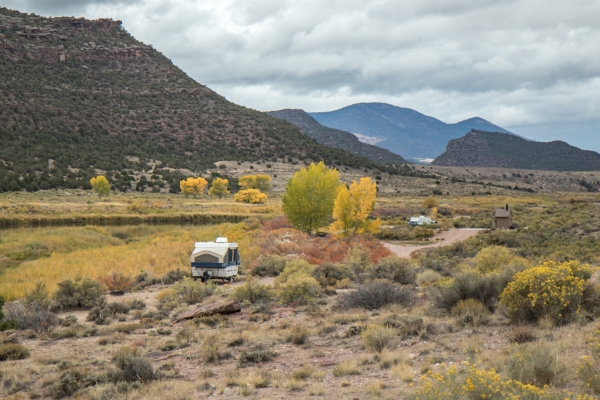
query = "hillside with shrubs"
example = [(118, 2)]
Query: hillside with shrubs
[(78, 96)]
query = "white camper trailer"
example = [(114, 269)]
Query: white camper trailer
[(421, 220), (215, 260)]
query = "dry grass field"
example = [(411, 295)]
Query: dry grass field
[(322, 317)]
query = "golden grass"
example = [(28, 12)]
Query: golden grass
[(156, 254), (79, 202), (30, 243)]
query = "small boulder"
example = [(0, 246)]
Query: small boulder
[(206, 310)]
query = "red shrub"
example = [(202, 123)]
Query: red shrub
[(315, 250), (277, 223), (116, 282), (391, 212)]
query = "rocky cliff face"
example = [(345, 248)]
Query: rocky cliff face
[(58, 39), (494, 149)]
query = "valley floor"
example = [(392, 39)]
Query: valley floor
[(314, 344)]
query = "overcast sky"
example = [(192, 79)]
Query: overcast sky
[(530, 66)]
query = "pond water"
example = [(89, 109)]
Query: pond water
[(135, 231), (122, 232)]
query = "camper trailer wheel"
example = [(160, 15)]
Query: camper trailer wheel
[(230, 279)]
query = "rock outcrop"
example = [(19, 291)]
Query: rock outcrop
[(229, 307), (495, 149)]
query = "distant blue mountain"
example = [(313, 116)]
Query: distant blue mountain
[(401, 130)]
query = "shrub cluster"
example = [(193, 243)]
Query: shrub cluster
[(407, 327), (376, 295), (253, 292), (471, 312), (173, 276), (469, 382), (186, 291), (68, 384), (405, 233), (589, 366), (329, 274), (13, 351), (4, 324), (295, 285), (102, 312), (257, 356), (133, 367), (395, 269), (377, 338), (550, 290), (538, 365), (427, 278), (271, 265), (299, 335), (299, 289), (117, 282), (471, 285), (30, 315), (78, 293)]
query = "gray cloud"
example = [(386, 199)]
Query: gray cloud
[(528, 65), (59, 7)]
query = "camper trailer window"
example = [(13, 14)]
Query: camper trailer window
[(237, 256)]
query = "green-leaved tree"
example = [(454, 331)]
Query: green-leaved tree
[(219, 188), (309, 197)]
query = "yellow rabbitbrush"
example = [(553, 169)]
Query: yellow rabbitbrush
[(551, 290), (469, 382)]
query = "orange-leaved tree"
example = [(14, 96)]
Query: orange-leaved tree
[(252, 196), (193, 186), (353, 206)]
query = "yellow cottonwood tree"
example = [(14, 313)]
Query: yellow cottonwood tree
[(194, 186), (100, 185), (247, 181), (433, 213), (309, 197), (219, 188), (252, 196), (353, 206), (263, 183), (259, 181)]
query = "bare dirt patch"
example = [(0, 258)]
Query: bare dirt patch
[(440, 239)]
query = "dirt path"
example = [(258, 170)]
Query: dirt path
[(440, 239)]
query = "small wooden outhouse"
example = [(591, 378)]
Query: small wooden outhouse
[(503, 218)]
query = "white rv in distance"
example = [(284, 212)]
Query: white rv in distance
[(421, 220), (215, 260)]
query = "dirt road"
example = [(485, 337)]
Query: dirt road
[(449, 237)]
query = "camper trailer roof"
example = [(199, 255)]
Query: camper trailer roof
[(220, 251), (213, 245)]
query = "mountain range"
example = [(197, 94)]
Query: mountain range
[(400, 130), (495, 149), (337, 138), (79, 96)]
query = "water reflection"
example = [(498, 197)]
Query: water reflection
[(136, 231)]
